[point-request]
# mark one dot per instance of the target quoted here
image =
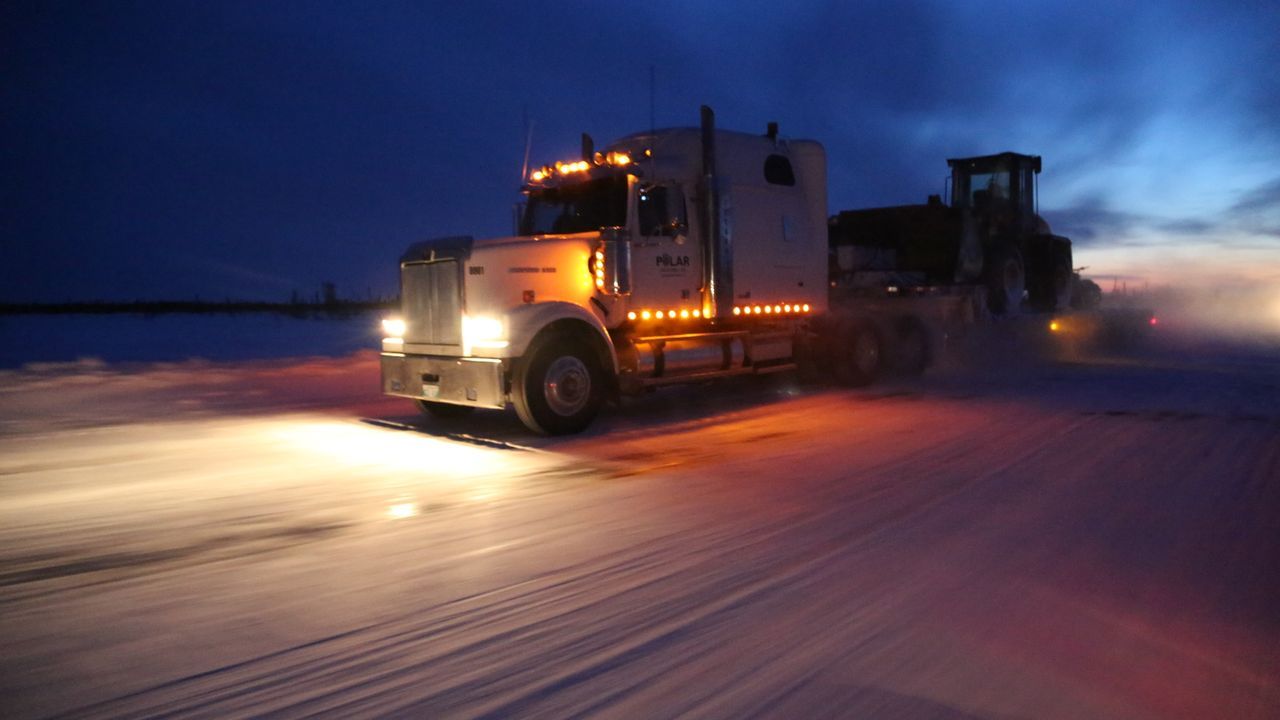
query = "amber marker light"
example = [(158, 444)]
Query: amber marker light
[(645, 315), (684, 314), (737, 311), (697, 313), (804, 308), (1054, 326), (631, 315)]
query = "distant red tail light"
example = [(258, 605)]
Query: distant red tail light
[(1154, 321)]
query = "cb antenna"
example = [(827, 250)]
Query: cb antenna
[(652, 84), (528, 143)]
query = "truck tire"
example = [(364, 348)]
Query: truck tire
[(557, 387), (443, 411), (857, 355), (913, 355), (1006, 281)]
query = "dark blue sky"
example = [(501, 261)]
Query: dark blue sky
[(248, 149)]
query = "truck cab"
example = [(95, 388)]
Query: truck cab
[(670, 255)]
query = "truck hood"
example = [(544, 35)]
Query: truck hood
[(461, 246)]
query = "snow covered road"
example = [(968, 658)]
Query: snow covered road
[(1087, 539)]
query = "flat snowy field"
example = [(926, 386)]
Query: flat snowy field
[(1091, 538)]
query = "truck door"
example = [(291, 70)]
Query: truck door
[(665, 262)]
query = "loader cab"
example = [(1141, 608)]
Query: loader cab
[(997, 186)]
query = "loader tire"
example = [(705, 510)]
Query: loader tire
[(1006, 281)]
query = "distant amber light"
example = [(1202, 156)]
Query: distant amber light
[(631, 315), (645, 315)]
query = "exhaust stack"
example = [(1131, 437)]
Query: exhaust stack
[(717, 252)]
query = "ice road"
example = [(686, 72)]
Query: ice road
[(1093, 539)]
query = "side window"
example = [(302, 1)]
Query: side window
[(777, 171), (661, 211)]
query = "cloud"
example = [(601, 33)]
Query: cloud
[(1261, 199), (1091, 221), (1186, 226)]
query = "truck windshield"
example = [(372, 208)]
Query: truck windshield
[(581, 207)]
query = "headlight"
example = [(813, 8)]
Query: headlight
[(393, 327), (483, 332)]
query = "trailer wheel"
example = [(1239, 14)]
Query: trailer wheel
[(858, 355), (1006, 281), (443, 411), (558, 387)]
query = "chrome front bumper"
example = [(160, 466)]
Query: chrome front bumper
[(478, 382)]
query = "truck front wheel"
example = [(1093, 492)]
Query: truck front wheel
[(558, 387)]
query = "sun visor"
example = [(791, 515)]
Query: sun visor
[(454, 246)]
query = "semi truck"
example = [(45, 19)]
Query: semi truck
[(689, 254)]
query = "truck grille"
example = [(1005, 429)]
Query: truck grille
[(431, 300)]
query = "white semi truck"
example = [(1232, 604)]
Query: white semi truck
[(683, 255)]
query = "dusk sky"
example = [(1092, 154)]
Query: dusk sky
[(250, 149)]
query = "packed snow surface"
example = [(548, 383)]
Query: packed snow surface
[(1095, 537)]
